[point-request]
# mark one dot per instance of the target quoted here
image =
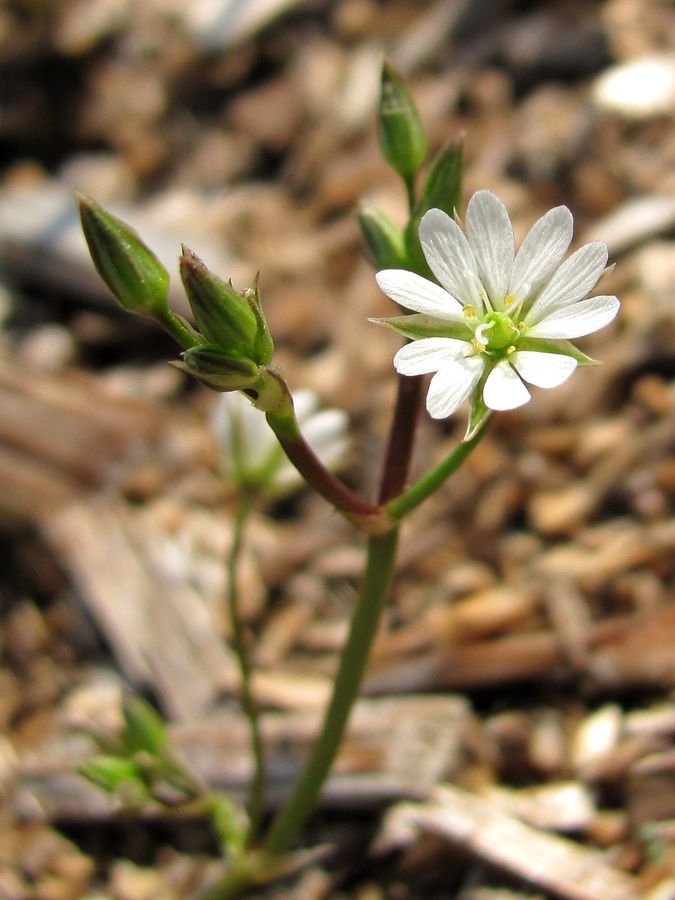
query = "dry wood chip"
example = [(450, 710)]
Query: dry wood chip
[(551, 863)]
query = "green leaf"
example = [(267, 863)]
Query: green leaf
[(130, 269), (110, 772), (443, 182), (144, 729)]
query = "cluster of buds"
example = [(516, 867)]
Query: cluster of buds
[(229, 348)]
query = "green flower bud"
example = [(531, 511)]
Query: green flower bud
[(218, 370), (383, 239), (443, 182), (130, 269), (402, 138), (145, 730), (109, 772), (224, 317)]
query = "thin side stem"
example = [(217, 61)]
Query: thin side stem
[(178, 329), (366, 516), (256, 803), (430, 483), (365, 619)]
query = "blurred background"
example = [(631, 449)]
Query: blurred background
[(529, 653)]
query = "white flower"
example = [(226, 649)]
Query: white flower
[(499, 318), (250, 453)]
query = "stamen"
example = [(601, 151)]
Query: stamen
[(521, 326), (510, 349), (477, 344), (509, 299), (469, 311)]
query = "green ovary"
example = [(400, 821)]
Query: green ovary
[(496, 332)]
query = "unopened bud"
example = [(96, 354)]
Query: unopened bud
[(218, 370), (223, 316), (110, 772), (383, 238), (402, 138), (130, 269)]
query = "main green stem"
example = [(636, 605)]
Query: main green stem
[(249, 704), (365, 618)]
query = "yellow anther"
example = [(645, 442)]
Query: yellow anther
[(469, 311), (509, 299), (477, 344), (521, 326), (511, 349)]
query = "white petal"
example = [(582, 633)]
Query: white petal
[(324, 428), (488, 228), (305, 401), (504, 389), (573, 281), (546, 370), (449, 256), (419, 294), (577, 320), (542, 250), (428, 355), (452, 385)]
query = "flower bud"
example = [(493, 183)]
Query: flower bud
[(130, 269), (402, 138), (383, 239), (218, 370), (224, 317)]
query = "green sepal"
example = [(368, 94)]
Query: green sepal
[(479, 413), (418, 325), (415, 261), (263, 345), (561, 346), (443, 182), (110, 772), (402, 138), (131, 270), (218, 370), (144, 729), (383, 239), (223, 316)]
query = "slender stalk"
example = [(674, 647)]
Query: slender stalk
[(365, 619), (249, 704), (366, 516), (429, 483), (401, 437), (178, 329)]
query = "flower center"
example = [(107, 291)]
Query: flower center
[(495, 332)]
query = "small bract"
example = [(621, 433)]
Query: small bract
[(250, 453), (496, 319)]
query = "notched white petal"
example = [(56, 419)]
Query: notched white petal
[(449, 256), (546, 370), (490, 235), (504, 389), (419, 294), (427, 355), (452, 385), (573, 281), (541, 252), (577, 320)]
